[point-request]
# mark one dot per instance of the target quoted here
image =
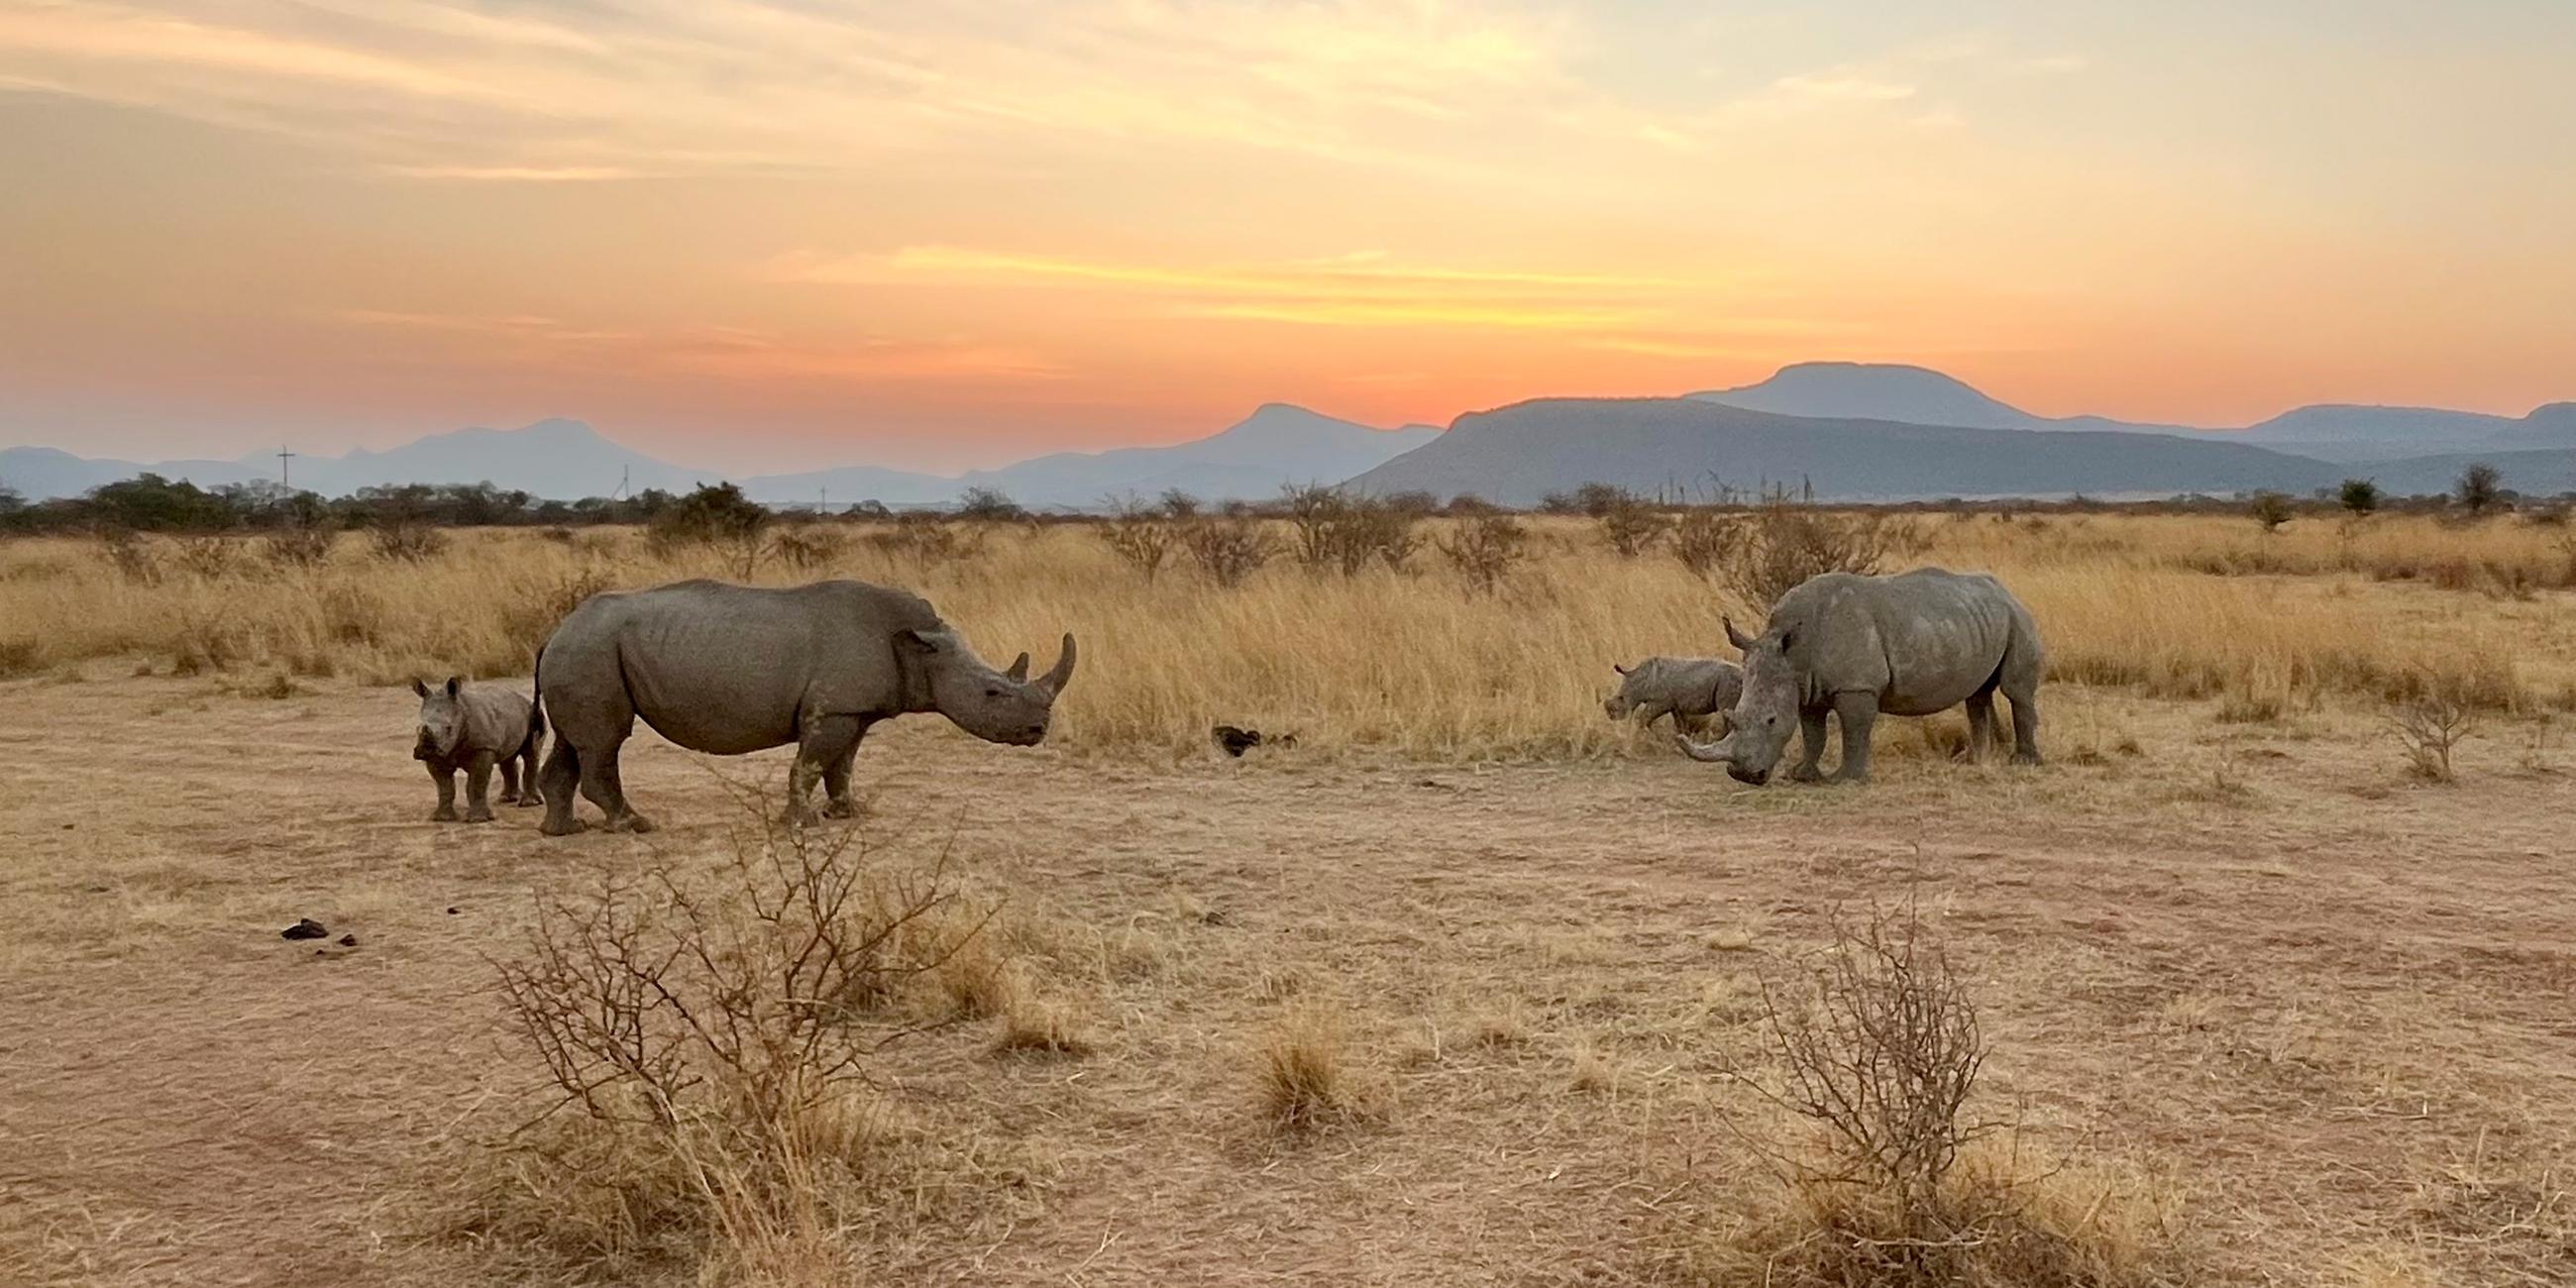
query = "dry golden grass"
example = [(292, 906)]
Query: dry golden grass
[(1414, 662)]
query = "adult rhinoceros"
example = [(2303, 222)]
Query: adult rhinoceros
[(729, 669), (1910, 645)]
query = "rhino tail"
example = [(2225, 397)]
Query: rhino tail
[(537, 701)]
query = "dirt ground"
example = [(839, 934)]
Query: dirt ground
[(2331, 1009)]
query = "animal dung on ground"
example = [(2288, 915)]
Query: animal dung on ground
[(1235, 740), (304, 928), (348, 941)]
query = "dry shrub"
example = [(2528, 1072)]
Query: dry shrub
[(1138, 534), (19, 656), (704, 1037), (806, 546), (1229, 549), (929, 541), (2515, 1222), (1886, 1177), (131, 556), (2428, 726), (297, 548), (1485, 549), (205, 558), (402, 541), (1304, 1082), (1630, 526), (1700, 541), (1781, 545), (1042, 1027), (1349, 534)]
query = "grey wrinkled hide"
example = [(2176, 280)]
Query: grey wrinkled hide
[(1689, 689), (473, 727), (1910, 645), (727, 669)]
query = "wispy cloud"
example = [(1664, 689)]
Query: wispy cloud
[(1367, 289), (723, 352)]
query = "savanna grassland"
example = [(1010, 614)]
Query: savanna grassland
[(1469, 985)]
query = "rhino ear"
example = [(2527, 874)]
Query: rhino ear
[(1787, 638), (1741, 641), (1620, 669), (454, 683), (418, 687), (916, 642), (1019, 672)]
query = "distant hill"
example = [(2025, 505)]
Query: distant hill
[(2327, 431), (1515, 455), (563, 459), (1277, 445), (567, 460)]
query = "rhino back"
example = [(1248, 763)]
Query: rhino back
[(496, 717), (1924, 641), (727, 669)]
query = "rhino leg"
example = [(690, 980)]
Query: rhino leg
[(478, 788), (445, 777), (836, 779), (1981, 725), (1857, 712), (562, 779), (825, 745), (510, 779), (1811, 752), (601, 783), (529, 796), (2019, 679)]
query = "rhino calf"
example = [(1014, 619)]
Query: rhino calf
[(472, 727), (1689, 689)]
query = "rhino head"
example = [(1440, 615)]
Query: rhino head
[(1765, 712), (442, 720), (996, 706), (1626, 700)]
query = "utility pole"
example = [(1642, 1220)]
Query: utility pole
[(822, 501), (283, 456)]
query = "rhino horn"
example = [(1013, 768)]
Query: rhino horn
[(1717, 752), (1019, 669), (1741, 641), (1053, 681)]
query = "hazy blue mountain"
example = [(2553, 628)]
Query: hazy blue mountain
[(1252, 459), (2326, 431), (566, 459), (551, 458), (2537, 472), (1518, 454)]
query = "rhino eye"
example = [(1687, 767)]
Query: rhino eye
[(992, 693)]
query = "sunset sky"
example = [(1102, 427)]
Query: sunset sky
[(946, 233)]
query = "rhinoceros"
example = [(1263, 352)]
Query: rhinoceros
[(472, 727), (1689, 689), (727, 669), (1911, 645)]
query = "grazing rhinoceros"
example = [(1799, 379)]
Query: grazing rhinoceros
[(470, 727), (729, 669), (1689, 689), (1909, 645)]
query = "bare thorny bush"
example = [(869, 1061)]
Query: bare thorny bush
[(704, 1038), (2428, 726), (1767, 553), (1139, 534), (1228, 548), (1890, 1176), (1349, 534), (1485, 549)]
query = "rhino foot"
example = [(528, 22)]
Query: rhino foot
[(483, 815), (569, 827), (443, 814), (636, 823), (841, 809), (2025, 758), (1807, 774), (529, 800)]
